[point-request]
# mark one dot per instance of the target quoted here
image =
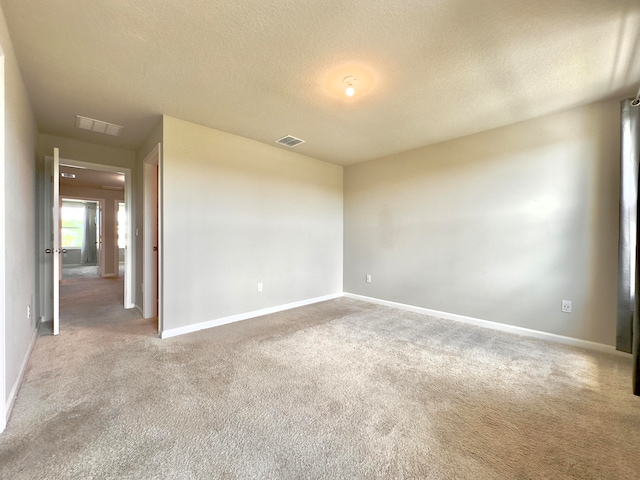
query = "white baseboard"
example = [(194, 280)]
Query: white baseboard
[(172, 332), (576, 342), (109, 275), (13, 393)]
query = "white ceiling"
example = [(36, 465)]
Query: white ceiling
[(91, 178), (428, 70)]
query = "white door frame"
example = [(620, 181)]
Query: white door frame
[(3, 360), (56, 251), (152, 272), (128, 200)]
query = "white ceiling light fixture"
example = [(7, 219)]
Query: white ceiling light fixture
[(350, 82), (98, 126), (111, 187), (68, 175)]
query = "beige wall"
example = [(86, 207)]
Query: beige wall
[(19, 228), (499, 226), (85, 152), (110, 221), (238, 212)]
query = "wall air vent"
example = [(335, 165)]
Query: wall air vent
[(289, 141), (98, 126)]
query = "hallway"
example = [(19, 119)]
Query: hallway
[(87, 300), (70, 376)]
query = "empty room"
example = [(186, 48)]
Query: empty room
[(342, 239)]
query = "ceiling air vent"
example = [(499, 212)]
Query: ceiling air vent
[(289, 141), (99, 126)]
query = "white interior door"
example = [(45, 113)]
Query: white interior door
[(150, 274), (56, 251), (152, 238)]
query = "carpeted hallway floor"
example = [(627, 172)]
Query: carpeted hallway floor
[(85, 271), (337, 390)]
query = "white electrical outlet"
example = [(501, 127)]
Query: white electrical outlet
[(368, 278), (566, 306), (259, 287)]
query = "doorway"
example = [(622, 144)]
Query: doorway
[(81, 237), (108, 192), (152, 237), (121, 234)]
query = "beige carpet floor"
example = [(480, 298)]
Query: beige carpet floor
[(86, 271), (337, 390)]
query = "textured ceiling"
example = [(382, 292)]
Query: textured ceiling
[(91, 178), (429, 70)]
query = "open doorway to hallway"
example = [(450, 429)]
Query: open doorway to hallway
[(92, 245), (93, 224)]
